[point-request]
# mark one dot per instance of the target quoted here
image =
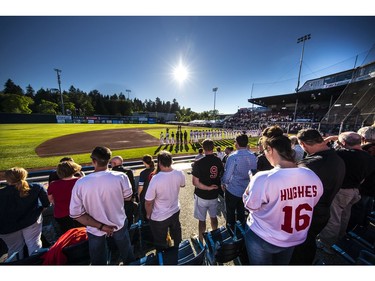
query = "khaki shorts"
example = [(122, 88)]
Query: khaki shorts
[(202, 206)]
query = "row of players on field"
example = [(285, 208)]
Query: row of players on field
[(199, 135)]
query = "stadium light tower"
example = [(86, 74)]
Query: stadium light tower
[(215, 90), (58, 71), (302, 39), (128, 91)]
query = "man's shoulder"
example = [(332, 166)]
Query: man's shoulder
[(122, 169), (354, 153), (245, 153), (178, 171)]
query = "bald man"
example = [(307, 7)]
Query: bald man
[(131, 206), (358, 165)]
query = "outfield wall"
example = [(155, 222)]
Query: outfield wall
[(17, 118)]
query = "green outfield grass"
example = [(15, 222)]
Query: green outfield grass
[(18, 143)]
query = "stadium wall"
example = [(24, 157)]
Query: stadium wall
[(16, 118)]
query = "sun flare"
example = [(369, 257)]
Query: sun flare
[(180, 73)]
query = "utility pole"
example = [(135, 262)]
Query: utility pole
[(252, 105), (302, 39), (58, 71), (128, 91), (215, 90)]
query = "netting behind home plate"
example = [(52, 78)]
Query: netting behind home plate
[(355, 107)]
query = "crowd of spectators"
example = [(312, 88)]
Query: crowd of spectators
[(316, 179), (251, 119)]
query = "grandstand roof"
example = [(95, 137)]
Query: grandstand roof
[(321, 89), (319, 95)]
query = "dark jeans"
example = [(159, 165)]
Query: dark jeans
[(99, 249), (260, 252), (143, 213), (159, 231), (233, 205), (131, 209)]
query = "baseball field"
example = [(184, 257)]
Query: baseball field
[(41, 146)]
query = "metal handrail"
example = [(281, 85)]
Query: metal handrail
[(42, 176)]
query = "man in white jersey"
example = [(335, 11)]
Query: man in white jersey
[(162, 204), (98, 202)]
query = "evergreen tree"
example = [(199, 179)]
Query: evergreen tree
[(11, 88)]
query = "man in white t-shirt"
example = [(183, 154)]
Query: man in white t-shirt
[(162, 203), (98, 202)]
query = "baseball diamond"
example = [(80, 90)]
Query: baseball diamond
[(77, 143)]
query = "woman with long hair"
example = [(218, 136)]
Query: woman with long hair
[(21, 207), (144, 180), (280, 203), (60, 192)]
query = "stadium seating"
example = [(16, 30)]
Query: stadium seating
[(365, 235), (141, 238), (222, 247), (191, 259), (187, 253), (77, 254), (34, 259), (149, 259), (183, 255), (366, 258), (358, 246)]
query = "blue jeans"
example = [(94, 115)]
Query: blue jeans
[(99, 249), (260, 252)]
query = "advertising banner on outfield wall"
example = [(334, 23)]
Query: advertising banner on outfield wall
[(64, 119)]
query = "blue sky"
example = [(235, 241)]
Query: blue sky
[(234, 53)]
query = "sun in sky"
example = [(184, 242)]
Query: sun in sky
[(180, 73)]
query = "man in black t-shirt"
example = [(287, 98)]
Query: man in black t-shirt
[(358, 165), (207, 173), (363, 208), (330, 168)]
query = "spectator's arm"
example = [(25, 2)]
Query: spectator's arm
[(51, 200), (198, 184), (88, 220), (128, 198), (331, 138), (140, 188), (228, 171), (148, 206)]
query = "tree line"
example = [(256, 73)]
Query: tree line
[(13, 99)]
